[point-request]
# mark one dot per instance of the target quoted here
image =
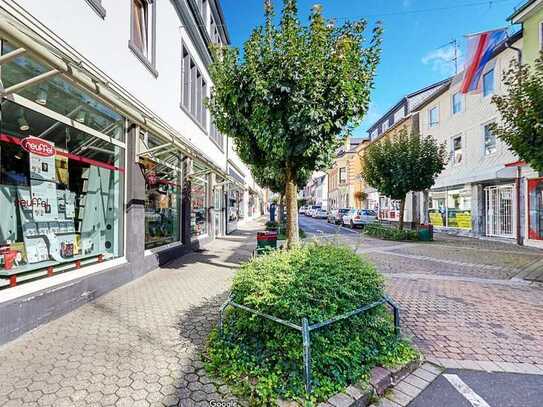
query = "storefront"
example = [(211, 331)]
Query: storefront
[(389, 209), (199, 202), (535, 209), (161, 168), (62, 170), (500, 210), (451, 208)]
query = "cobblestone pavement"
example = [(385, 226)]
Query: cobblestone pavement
[(137, 346)]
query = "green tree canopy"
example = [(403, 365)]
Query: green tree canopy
[(294, 93), (398, 165), (521, 109)]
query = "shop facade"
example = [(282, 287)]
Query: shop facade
[(96, 188)]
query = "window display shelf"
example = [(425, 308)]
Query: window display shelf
[(50, 266)]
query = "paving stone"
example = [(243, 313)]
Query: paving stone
[(399, 397), (341, 400), (416, 381), (381, 379)]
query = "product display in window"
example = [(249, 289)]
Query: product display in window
[(162, 203), (198, 219), (61, 194)]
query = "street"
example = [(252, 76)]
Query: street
[(444, 290)]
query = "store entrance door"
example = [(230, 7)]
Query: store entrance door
[(218, 212), (499, 211)]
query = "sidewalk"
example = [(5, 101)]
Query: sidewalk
[(136, 346)]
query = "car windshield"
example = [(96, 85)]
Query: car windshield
[(370, 213), (343, 210)]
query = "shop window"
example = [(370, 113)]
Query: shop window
[(61, 96), (61, 193), (535, 209), (199, 203), (490, 140), (162, 198), (142, 32), (451, 208), (234, 205)]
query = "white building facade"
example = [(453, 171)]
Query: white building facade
[(109, 159), (480, 192)]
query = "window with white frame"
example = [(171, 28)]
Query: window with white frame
[(343, 175), (488, 83), (457, 103), (214, 31), (433, 117), (202, 7), (216, 136), (193, 89), (456, 149), (97, 6), (142, 32), (489, 139)]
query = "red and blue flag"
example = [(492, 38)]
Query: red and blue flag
[(481, 48)]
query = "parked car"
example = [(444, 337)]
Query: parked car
[(336, 216), (321, 214), (303, 209), (359, 218), (312, 209)]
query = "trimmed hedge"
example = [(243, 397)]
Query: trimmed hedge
[(263, 360), (390, 233)]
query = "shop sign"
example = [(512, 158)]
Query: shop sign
[(35, 145)]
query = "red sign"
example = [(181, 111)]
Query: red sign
[(38, 146)]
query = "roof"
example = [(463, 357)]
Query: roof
[(404, 100), (522, 8)]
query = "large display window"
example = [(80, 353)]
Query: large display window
[(451, 208), (535, 209), (61, 193), (199, 207)]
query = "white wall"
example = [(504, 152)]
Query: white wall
[(105, 43), (477, 110)]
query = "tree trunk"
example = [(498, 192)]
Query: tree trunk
[(293, 234), (280, 211), (402, 211), (426, 199)]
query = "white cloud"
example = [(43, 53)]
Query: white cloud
[(442, 60)]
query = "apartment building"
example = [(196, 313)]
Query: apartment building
[(402, 117), (316, 190), (344, 176), (477, 193), (110, 163)]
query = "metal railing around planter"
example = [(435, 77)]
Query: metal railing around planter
[(305, 329)]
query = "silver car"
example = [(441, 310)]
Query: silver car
[(321, 214), (359, 218)]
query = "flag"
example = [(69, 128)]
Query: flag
[(481, 48)]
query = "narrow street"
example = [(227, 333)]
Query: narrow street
[(464, 308)]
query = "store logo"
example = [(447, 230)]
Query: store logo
[(38, 146)]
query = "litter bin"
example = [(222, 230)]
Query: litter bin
[(426, 233), (266, 241)]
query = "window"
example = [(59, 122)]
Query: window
[(142, 32), (216, 136), (199, 204), (490, 140), (162, 196), (451, 208), (541, 36), (457, 150), (343, 175), (488, 83), (193, 90), (61, 193), (457, 103), (202, 8), (433, 117), (214, 32), (97, 6)]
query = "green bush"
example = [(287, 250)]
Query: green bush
[(263, 360), (390, 233), (282, 235), (271, 225)]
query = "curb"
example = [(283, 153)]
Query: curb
[(382, 379)]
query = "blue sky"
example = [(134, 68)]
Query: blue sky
[(415, 53)]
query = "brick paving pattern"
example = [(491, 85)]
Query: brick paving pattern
[(137, 346)]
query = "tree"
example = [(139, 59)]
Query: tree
[(294, 95), (402, 164), (521, 110)]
